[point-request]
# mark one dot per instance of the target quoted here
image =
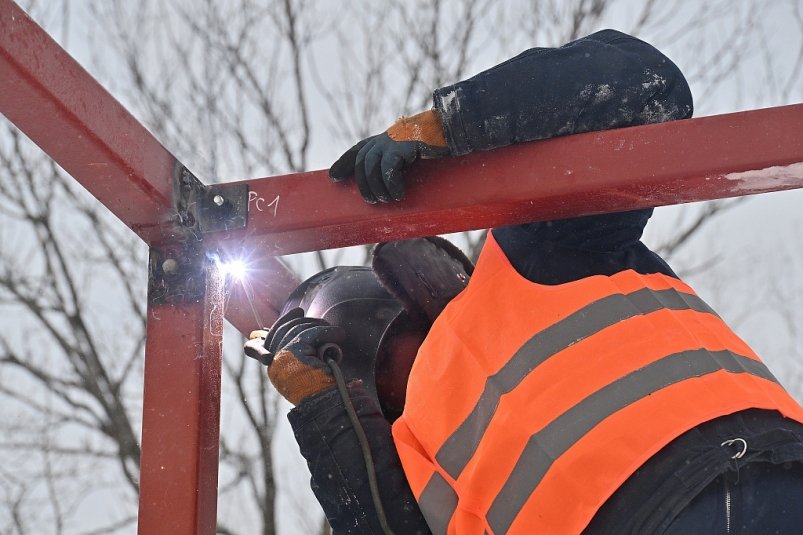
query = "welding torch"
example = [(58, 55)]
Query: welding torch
[(255, 348)]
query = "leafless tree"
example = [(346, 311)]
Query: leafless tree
[(247, 88), (75, 399)]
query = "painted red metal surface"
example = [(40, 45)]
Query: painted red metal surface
[(57, 104), (181, 415), (685, 161), (671, 163)]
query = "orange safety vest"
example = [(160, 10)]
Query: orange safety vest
[(529, 405)]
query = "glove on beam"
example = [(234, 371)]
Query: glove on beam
[(376, 162)]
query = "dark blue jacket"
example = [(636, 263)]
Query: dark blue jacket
[(606, 80)]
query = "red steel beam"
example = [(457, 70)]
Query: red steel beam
[(181, 414), (653, 165), (57, 104), (615, 170)]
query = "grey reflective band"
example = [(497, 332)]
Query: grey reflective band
[(461, 445), (556, 438), (438, 502)]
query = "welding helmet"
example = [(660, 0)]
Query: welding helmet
[(352, 298), (386, 310)]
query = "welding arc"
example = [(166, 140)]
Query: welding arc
[(250, 299)]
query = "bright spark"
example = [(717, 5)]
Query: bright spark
[(233, 269)]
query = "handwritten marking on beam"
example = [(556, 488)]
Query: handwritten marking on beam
[(259, 203)]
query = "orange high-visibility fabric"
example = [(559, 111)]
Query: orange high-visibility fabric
[(502, 317)]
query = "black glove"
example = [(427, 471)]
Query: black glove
[(291, 352), (376, 162)]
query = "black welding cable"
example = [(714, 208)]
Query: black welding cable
[(325, 351)]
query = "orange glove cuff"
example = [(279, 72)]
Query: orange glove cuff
[(295, 380), (425, 127)]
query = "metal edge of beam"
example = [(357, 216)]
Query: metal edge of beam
[(181, 399), (616, 170)]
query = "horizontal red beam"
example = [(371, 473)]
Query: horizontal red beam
[(615, 170), (684, 161)]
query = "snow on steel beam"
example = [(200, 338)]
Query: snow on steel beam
[(671, 163), (59, 106)]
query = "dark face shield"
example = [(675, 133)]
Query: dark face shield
[(377, 328), (386, 311)]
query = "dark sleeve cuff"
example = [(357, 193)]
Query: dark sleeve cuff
[(313, 406), (449, 102)]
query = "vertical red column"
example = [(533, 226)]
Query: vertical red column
[(181, 406)]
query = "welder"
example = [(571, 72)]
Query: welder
[(569, 383)]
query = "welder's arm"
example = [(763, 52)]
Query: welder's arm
[(325, 433), (603, 81), (606, 80), (339, 478)]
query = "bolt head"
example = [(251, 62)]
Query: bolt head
[(170, 266), (218, 200)]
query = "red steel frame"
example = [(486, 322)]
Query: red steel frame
[(181, 415), (57, 104)]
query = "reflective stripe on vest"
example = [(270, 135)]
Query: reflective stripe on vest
[(609, 310), (536, 441)]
